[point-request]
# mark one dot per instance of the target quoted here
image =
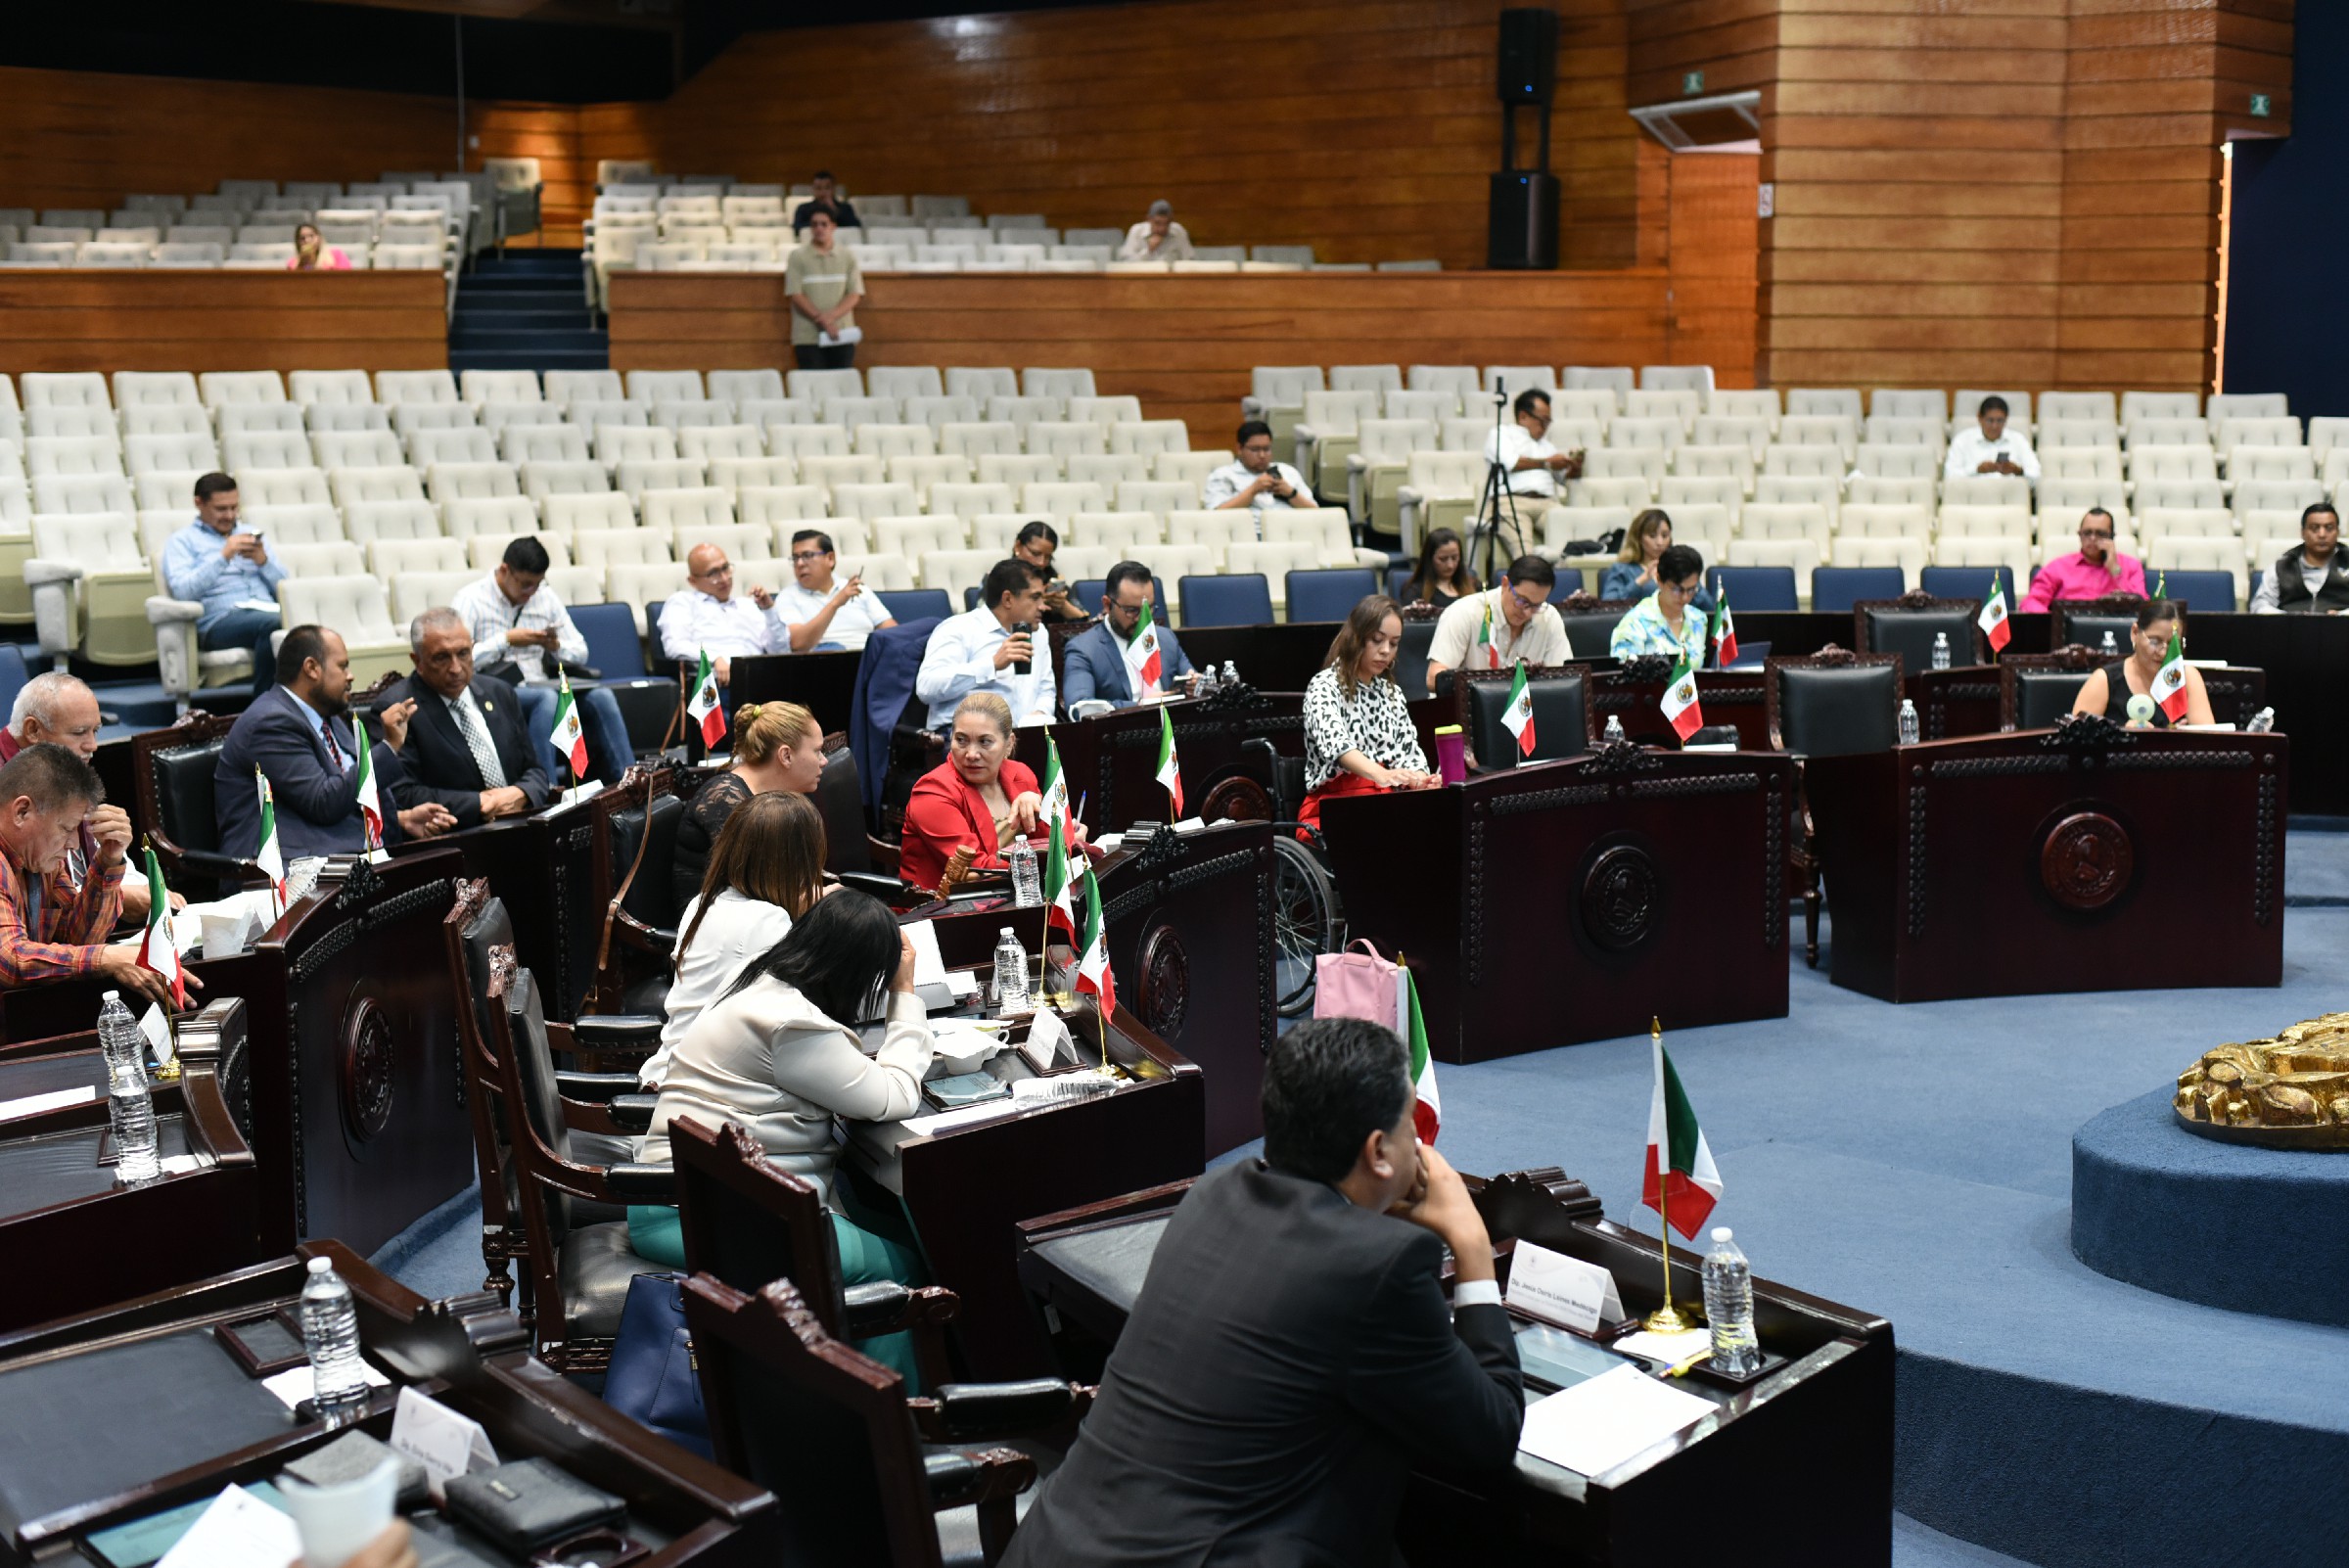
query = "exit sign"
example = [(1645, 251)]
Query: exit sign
[(2262, 106), (1693, 82)]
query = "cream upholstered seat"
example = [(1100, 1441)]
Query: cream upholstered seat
[(521, 444), (448, 481), (641, 584), (1213, 531), (633, 476), (955, 570), (396, 387), (359, 608), (1987, 490), (874, 500), (1629, 490), (1439, 490), (463, 443), (1910, 552), (605, 548), (779, 505), (679, 512), (1018, 469), (1324, 530), (582, 513), (478, 386), (652, 385), (1061, 498), (90, 580)]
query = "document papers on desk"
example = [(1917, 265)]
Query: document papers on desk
[(1595, 1426)]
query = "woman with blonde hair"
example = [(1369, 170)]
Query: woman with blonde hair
[(1359, 734), (777, 746), (1633, 574), (766, 871)]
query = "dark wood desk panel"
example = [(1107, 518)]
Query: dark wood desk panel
[(1963, 700), (1573, 901), (543, 866), (1726, 697), (467, 1352), (1276, 657), (2012, 864), (1111, 762), (823, 683)]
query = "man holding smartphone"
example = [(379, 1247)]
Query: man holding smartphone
[(225, 567), (1990, 447), (820, 616)]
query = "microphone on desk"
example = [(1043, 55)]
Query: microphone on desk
[(2140, 709)]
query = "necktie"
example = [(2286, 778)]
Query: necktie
[(334, 752), (477, 740)]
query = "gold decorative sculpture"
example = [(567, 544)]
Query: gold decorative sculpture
[(2289, 1093)]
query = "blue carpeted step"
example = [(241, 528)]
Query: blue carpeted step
[(461, 360), (525, 311)]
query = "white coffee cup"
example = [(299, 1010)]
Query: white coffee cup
[(337, 1521)]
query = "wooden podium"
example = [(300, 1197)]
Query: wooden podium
[(2088, 858), (1574, 900), (1111, 762)]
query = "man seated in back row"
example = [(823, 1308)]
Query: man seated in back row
[(1096, 668), (1255, 481), (1292, 1355), (523, 635), (1494, 629), (821, 613), (467, 745), (705, 617), (2313, 580), (1990, 447), (225, 567), (2092, 572)]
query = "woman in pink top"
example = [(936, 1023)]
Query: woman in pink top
[(2092, 572), (311, 253)]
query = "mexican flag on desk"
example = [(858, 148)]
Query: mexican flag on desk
[(1518, 718), (1724, 631), (1491, 649), (1093, 975), (157, 951), (1170, 766), (1992, 620), (266, 854), (1143, 665), (1427, 1115), (703, 707), (1682, 1182), (371, 802), (2169, 681), (1680, 702), (570, 740)]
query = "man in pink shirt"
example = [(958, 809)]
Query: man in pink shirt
[(2092, 572)]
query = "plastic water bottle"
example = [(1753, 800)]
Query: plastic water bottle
[(1027, 886), (2111, 649), (1730, 1307), (1908, 723), (330, 1332), (130, 1106), (1011, 975), (2262, 722), (1231, 674), (1614, 733), (1940, 650)]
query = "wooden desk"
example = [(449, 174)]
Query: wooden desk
[(354, 1109), (1726, 696), (1111, 762), (80, 1240), (2001, 865), (543, 866), (966, 1189), (141, 1448), (1275, 658), (1573, 901), (1807, 1450)]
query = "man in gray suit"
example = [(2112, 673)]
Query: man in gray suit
[(1292, 1354)]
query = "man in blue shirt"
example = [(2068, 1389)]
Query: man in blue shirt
[(228, 570), (1096, 657)]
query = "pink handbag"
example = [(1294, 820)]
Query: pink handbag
[(1355, 985)]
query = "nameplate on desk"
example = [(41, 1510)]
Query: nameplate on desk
[(447, 1444), (1562, 1290), (1047, 1036)]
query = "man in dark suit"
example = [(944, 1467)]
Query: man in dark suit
[(297, 735), (1095, 662), (467, 745), (1292, 1355)]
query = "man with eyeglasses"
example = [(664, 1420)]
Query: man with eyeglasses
[(705, 617), (1095, 658), (822, 615), (2094, 571), (1255, 481), (1523, 449), (2314, 579), (1493, 629), (1664, 624)]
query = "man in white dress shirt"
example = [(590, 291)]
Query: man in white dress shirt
[(821, 613), (1522, 448), (1157, 237), (1256, 481), (705, 617), (981, 649), (1991, 448), (523, 634)]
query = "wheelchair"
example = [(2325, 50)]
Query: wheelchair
[(1309, 919)]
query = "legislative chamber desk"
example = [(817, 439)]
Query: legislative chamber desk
[(347, 1087), (1111, 762), (142, 1408), (1190, 937), (1574, 900), (1796, 1466), (2088, 858)]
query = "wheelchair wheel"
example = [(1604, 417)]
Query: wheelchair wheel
[(1305, 922)]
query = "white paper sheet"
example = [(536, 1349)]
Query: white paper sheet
[(238, 1530), (929, 964), (55, 1099), (1670, 1349), (295, 1384), (1595, 1426)]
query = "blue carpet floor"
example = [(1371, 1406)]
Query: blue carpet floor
[(1916, 1162)]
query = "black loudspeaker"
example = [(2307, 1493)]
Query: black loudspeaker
[(1529, 56), (1525, 222)]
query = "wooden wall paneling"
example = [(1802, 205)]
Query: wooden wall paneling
[(110, 320), (1714, 249), (551, 134), (1183, 344)]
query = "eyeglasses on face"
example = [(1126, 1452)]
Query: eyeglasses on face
[(2096, 534), (797, 556)]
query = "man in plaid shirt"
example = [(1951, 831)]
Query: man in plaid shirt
[(45, 793)]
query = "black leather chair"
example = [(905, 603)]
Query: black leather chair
[(834, 1437), (2041, 697), (1561, 715), (633, 970), (2087, 621), (1411, 659), (173, 771), (1907, 626), (748, 1222), (1590, 623), (579, 1271), (1829, 704)]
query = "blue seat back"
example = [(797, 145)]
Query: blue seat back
[(916, 603), (1229, 599), (1756, 587), (970, 596), (13, 675), (2203, 590), (1085, 594), (1835, 590), (1328, 594), (611, 644), (1968, 583)]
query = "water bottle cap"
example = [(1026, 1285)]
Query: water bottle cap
[(112, 995), (1006, 932), (1720, 1232), (322, 1265)]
